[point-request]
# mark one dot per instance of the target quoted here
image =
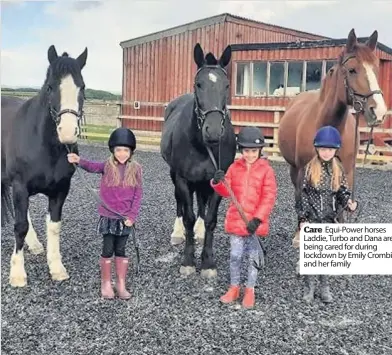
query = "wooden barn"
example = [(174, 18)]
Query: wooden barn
[(269, 65)]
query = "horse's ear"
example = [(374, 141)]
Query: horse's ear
[(82, 59), (351, 41), (225, 57), (52, 54), (372, 41), (198, 55)]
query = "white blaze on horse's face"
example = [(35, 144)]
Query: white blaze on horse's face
[(381, 108), (212, 77), (68, 129)]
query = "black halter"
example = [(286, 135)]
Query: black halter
[(357, 100), (200, 114)]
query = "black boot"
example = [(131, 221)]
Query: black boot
[(325, 292), (310, 286)]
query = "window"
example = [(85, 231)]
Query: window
[(259, 79), (243, 79), (313, 75), (294, 78), (279, 78), (329, 65), (276, 84)]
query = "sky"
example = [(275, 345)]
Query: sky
[(28, 28)]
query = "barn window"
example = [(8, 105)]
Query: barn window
[(276, 83), (313, 75), (329, 65), (294, 78), (243, 79), (260, 78)]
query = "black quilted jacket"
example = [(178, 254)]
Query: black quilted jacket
[(321, 204)]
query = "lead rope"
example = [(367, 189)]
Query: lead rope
[(259, 264), (123, 218)]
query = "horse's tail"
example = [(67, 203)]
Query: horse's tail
[(6, 204)]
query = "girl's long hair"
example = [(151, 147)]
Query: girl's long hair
[(313, 173), (132, 174)]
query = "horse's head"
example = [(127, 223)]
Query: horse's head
[(211, 93), (64, 87), (358, 66)]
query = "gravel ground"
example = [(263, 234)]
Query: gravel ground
[(174, 315)]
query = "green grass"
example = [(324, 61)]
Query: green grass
[(98, 129)]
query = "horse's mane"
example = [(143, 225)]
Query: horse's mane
[(62, 66), (210, 59), (361, 51)]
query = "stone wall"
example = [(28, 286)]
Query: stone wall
[(101, 113)]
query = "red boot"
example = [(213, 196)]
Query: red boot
[(249, 298), (231, 295), (106, 278), (121, 271)]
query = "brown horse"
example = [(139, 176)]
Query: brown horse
[(353, 81)]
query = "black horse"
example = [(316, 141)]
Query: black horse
[(194, 123), (35, 137)]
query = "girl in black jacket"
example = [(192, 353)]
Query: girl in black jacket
[(324, 193)]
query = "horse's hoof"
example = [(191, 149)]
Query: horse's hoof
[(36, 249), (177, 240), (308, 298), (18, 281), (208, 273), (187, 270), (59, 273)]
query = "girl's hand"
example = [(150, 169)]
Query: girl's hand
[(128, 223), (352, 205), (73, 158)]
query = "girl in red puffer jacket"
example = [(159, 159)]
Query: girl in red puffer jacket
[(253, 182)]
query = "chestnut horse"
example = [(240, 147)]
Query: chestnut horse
[(353, 81)]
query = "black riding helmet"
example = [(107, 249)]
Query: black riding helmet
[(250, 137), (123, 137)]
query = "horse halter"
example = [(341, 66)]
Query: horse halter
[(200, 114), (358, 100), (56, 115)]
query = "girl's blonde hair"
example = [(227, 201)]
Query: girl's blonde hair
[(132, 174), (313, 173)]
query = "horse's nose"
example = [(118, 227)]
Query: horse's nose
[(373, 113)]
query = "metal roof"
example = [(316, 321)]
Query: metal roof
[(225, 17), (303, 44)]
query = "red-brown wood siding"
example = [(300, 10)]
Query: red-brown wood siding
[(160, 70)]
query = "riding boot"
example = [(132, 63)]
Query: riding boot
[(121, 272), (310, 286), (325, 292), (106, 278), (231, 295)]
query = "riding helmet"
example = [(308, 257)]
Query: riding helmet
[(123, 137), (250, 137), (327, 137)]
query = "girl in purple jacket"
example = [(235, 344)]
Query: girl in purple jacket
[(121, 190)]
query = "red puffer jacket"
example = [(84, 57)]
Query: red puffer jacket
[(255, 189)]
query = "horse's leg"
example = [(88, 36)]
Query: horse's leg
[(18, 277), (208, 266), (53, 227), (35, 246), (199, 228), (185, 193), (178, 234), (296, 180)]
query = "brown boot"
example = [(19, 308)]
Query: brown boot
[(231, 295), (121, 272), (106, 278), (249, 298)]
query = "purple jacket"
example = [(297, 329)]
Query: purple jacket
[(125, 200)]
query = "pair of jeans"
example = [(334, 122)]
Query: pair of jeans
[(239, 246)]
